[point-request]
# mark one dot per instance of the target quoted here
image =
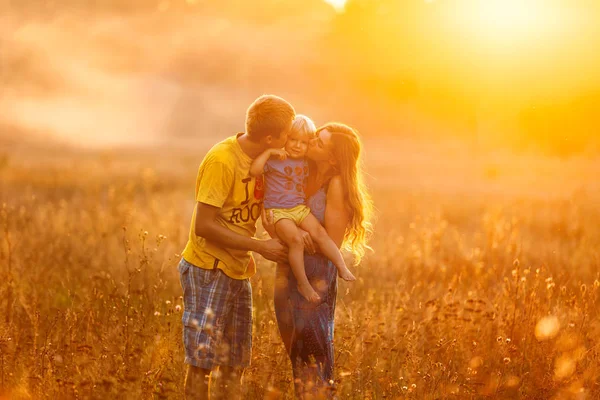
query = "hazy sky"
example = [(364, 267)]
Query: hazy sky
[(113, 73)]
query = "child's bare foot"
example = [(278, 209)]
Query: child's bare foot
[(346, 275), (309, 293)]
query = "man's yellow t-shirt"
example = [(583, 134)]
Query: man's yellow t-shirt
[(224, 181)]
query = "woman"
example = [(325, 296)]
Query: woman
[(337, 197)]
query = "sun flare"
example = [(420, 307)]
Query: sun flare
[(337, 4), (511, 20)]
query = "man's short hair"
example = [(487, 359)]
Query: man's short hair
[(268, 115)]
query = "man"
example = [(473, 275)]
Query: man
[(217, 263)]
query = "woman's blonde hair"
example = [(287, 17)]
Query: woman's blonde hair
[(346, 148), (304, 125)]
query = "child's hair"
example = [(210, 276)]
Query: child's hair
[(304, 125), (268, 115)]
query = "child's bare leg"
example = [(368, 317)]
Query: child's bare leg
[(319, 234), (288, 232)]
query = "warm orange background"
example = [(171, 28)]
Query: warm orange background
[(511, 74)]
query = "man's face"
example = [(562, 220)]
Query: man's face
[(278, 143)]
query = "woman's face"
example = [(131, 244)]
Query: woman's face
[(320, 148)]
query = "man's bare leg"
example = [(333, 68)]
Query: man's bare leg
[(197, 383), (229, 384)]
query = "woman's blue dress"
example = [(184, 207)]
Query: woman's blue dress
[(307, 328)]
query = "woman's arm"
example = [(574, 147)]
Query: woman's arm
[(337, 216), (258, 165)]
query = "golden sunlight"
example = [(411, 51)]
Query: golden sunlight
[(337, 4), (511, 20)]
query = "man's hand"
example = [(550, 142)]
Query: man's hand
[(279, 153), (274, 250)]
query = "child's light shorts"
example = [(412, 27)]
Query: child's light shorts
[(296, 214)]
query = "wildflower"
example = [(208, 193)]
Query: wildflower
[(177, 308), (583, 289), (475, 362), (499, 339), (168, 302), (512, 381), (507, 340), (516, 263), (547, 328), (156, 313), (564, 367), (506, 360)]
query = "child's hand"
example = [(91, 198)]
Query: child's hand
[(279, 153)]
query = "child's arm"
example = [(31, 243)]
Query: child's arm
[(258, 165)]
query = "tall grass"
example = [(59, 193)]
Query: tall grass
[(465, 296)]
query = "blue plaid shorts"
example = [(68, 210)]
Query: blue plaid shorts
[(217, 317)]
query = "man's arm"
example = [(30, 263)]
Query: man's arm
[(258, 165), (207, 227)]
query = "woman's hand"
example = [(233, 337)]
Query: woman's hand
[(309, 245)]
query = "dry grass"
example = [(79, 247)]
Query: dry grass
[(446, 307)]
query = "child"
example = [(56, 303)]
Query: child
[(285, 180)]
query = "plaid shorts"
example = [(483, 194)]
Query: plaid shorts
[(217, 317)]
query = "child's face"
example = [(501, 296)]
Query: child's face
[(297, 144)]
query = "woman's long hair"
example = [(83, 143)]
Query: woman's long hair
[(347, 151)]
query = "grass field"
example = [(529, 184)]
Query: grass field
[(484, 281)]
